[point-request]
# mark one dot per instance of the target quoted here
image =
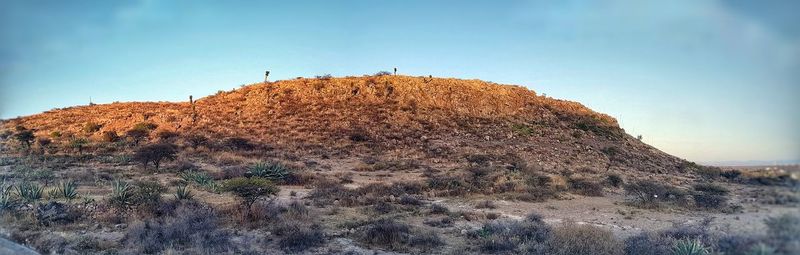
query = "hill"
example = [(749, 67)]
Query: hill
[(422, 117)]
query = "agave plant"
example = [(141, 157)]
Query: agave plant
[(689, 247), (29, 191), (201, 178), (271, 170), (121, 194), (68, 189), (182, 192), (6, 200)]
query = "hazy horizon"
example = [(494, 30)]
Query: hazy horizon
[(707, 81)]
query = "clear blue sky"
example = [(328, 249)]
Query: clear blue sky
[(703, 80)]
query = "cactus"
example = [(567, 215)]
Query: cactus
[(29, 191), (689, 247), (271, 170), (182, 192)]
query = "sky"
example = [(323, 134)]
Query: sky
[(708, 81)]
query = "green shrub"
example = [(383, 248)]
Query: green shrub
[(273, 171), (68, 189), (148, 194), (182, 192), (7, 202), (122, 194), (689, 247), (200, 178), (29, 191), (250, 189)]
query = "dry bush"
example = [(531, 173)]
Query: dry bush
[(191, 226), (649, 244), (573, 239), (485, 204), (652, 194), (586, 187), (783, 233), (397, 236), (511, 236), (708, 195)]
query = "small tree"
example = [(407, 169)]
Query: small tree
[(25, 137), (155, 153), (250, 189), (137, 134)]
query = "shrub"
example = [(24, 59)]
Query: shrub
[(439, 209), (155, 153), (442, 222), (166, 135), (7, 202), (182, 192), (196, 141), (486, 204), (614, 180), (68, 189), (91, 127), (136, 135), (689, 247), (586, 187), (736, 244), (145, 126), (387, 233), (29, 191), (250, 189), (237, 144), (784, 233), (731, 174), (709, 195), (301, 239), (649, 244), (110, 136), (383, 73), (25, 137), (148, 194), (78, 144), (508, 235), (538, 188), (409, 200), (572, 239), (121, 194), (189, 226), (273, 171), (200, 178), (650, 193)]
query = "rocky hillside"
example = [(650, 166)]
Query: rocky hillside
[(417, 117)]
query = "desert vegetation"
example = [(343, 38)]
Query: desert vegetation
[(358, 165)]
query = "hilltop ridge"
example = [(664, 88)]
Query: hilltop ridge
[(421, 115)]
